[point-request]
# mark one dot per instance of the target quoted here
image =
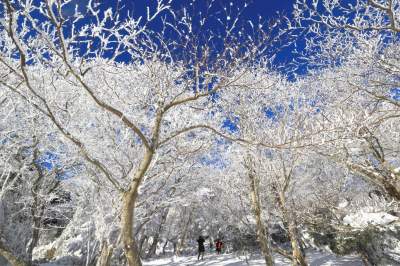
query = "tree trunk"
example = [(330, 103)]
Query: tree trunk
[(130, 248), (38, 206), (366, 259), (105, 254), (143, 239), (153, 247), (385, 179), (164, 247), (175, 249), (297, 254), (127, 214), (35, 238), (262, 230), (184, 233), (10, 257), (298, 258), (37, 218), (37, 209)]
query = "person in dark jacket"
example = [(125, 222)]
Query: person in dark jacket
[(218, 246), (201, 241)]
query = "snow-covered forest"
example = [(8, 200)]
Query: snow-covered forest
[(125, 137)]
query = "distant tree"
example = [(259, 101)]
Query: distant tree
[(352, 54), (33, 162)]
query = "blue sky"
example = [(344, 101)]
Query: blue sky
[(265, 8), (255, 11)]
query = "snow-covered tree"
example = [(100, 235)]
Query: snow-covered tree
[(122, 117)]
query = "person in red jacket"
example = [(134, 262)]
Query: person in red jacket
[(218, 246)]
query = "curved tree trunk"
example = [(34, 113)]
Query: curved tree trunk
[(387, 180), (127, 214)]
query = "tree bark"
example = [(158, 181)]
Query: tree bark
[(175, 249), (142, 241), (105, 254), (262, 230), (164, 247), (297, 254), (184, 233), (153, 247), (10, 257), (387, 179), (35, 236), (298, 258), (127, 214)]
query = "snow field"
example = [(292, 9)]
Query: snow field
[(315, 258)]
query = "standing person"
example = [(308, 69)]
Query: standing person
[(218, 246), (201, 241)]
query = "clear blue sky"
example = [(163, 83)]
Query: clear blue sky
[(264, 9)]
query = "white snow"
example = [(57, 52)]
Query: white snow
[(363, 219), (39, 252), (315, 258)]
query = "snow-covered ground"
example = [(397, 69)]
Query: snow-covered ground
[(314, 258)]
